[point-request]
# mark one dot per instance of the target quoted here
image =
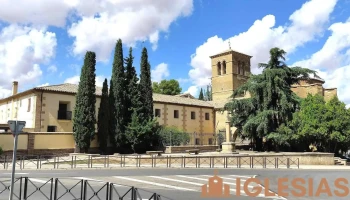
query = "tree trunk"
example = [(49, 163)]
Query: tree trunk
[(76, 148)]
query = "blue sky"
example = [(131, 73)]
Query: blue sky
[(45, 43)]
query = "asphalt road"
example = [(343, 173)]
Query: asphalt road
[(171, 183)]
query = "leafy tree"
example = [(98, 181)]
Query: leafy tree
[(172, 136), (141, 132), (208, 94), (169, 87), (323, 125), (111, 121), (201, 96), (118, 93), (272, 101), (84, 112), (145, 88), (103, 117)]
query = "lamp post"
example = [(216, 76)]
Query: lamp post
[(16, 128)]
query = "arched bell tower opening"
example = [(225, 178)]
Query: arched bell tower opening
[(230, 69)]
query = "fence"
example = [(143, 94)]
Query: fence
[(116, 161), (66, 188)]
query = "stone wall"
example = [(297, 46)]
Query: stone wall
[(182, 149)]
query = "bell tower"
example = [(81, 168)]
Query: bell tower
[(230, 69)]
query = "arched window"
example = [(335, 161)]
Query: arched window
[(223, 67), (239, 67), (219, 68)]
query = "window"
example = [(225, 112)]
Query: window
[(219, 68), (63, 112), (210, 141), (197, 141), (51, 128), (157, 112), (20, 103), (29, 102), (242, 68), (224, 67), (239, 67), (193, 115), (176, 114), (206, 116)]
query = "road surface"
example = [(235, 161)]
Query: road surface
[(171, 183)]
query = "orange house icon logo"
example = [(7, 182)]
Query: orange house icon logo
[(215, 188)]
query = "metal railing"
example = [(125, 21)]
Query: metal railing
[(65, 115), (166, 161), (67, 188)]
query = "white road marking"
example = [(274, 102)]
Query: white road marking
[(228, 178), (280, 197), (38, 180), (16, 173), (242, 176), (152, 183), (88, 179), (202, 179)]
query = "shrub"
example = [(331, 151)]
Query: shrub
[(173, 136)]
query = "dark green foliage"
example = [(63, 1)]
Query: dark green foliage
[(111, 121), (168, 87), (171, 136), (118, 93), (145, 88), (272, 103), (132, 97), (208, 94), (324, 125), (84, 112), (103, 119), (201, 96), (141, 133)]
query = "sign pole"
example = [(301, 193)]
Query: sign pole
[(14, 162)]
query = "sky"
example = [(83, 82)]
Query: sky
[(43, 42)]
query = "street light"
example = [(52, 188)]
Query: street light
[(16, 128)]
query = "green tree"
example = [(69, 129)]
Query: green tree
[(145, 88), (168, 87), (201, 96), (208, 93), (103, 119), (323, 125), (172, 136), (111, 121), (140, 133), (84, 112), (118, 93), (272, 101)]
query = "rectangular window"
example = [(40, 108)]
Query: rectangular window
[(206, 116), (197, 141), (193, 115), (63, 111), (210, 141), (176, 114), (29, 104), (51, 128), (157, 112)]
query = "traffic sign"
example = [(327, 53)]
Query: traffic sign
[(20, 125)]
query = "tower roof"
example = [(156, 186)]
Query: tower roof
[(229, 51)]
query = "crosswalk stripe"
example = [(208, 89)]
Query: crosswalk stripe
[(226, 177), (37, 180), (176, 180), (242, 176), (152, 183)]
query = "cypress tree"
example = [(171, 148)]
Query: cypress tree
[(118, 92), (84, 112), (111, 119), (146, 87), (132, 93), (103, 117), (201, 96)]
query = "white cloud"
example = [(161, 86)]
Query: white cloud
[(305, 25), (52, 69), (76, 79), (45, 84), (332, 60), (61, 74), (160, 72), (22, 50), (102, 23), (193, 90), (53, 12)]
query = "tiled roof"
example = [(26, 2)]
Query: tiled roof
[(73, 88)]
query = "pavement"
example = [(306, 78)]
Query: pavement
[(180, 183)]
